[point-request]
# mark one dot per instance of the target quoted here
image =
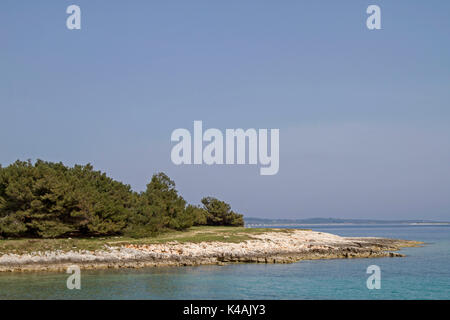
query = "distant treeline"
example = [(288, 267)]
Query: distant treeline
[(49, 200)]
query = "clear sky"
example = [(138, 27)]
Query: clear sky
[(364, 116)]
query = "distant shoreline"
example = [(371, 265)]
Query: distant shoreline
[(236, 245), (251, 225)]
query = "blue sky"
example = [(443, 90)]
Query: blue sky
[(364, 116)]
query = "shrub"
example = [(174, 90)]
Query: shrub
[(219, 213)]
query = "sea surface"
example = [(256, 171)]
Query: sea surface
[(423, 274)]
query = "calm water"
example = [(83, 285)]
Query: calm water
[(423, 274)]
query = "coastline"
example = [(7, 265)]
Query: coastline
[(270, 246)]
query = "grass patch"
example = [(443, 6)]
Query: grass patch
[(194, 234)]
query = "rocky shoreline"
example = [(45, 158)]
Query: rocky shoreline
[(269, 247)]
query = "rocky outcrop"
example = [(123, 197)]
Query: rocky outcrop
[(270, 247)]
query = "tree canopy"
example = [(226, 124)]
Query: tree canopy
[(49, 200)]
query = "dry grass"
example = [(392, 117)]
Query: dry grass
[(194, 234)]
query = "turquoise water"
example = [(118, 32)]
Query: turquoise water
[(423, 274)]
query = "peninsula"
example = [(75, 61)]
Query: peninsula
[(53, 216), (196, 246)]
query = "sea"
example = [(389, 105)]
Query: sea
[(423, 274)]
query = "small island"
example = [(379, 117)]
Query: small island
[(52, 217)]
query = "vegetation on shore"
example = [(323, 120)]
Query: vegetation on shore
[(51, 200), (194, 234)]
